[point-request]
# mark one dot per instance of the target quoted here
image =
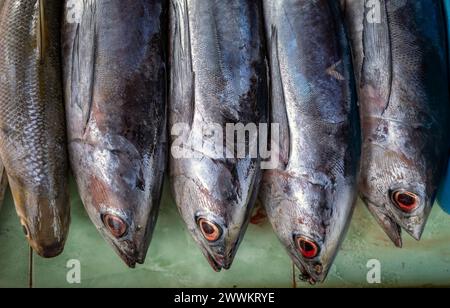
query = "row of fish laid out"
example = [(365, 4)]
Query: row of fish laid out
[(132, 71)]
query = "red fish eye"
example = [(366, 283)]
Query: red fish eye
[(308, 248), (115, 225), (211, 232), (405, 200)]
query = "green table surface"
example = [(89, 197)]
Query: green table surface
[(175, 261)]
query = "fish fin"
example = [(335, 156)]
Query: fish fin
[(182, 61), (84, 57), (377, 68), (41, 32), (278, 97), (390, 227)]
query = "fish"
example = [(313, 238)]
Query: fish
[(114, 71), (218, 80), (309, 196), (400, 58), (33, 145)]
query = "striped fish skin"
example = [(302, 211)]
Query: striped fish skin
[(115, 92), (401, 63), (218, 77), (310, 196), (32, 125)]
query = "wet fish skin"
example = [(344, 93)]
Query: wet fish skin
[(32, 125), (401, 64), (115, 84), (218, 76), (310, 196)]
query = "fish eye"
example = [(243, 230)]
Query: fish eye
[(210, 230), (308, 248), (405, 200), (115, 225)]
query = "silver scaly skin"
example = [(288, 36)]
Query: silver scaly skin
[(400, 58), (218, 76), (32, 124), (309, 197), (115, 90)]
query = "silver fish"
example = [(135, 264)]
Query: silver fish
[(310, 196), (218, 77), (115, 90), (401, 67), (32, 124)]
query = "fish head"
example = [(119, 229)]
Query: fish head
[(120, 193), (215, 199), (44, 215), (309, 218), (125, 225), (398, 190), (124, 230)]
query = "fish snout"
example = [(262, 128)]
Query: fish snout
[(219, 262), (316, 273), (415, 227), (312, 259), (44, 215), (415, 224), (48, 250), (44, 246), (129, 239)]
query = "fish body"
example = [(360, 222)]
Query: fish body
[(400, 54), (218, 77), (32, 124), (115, 92), (309, 197)]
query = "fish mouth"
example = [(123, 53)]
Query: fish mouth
[(313, 278), (128, 252), (48, 251), (129, 259), (416, 231), (131, 246), (392, 227), (218, 262), (386, 221), (45, 249)]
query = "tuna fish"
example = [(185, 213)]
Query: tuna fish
[(400, 55), (309, 197), (115, 91), (218, 80)]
